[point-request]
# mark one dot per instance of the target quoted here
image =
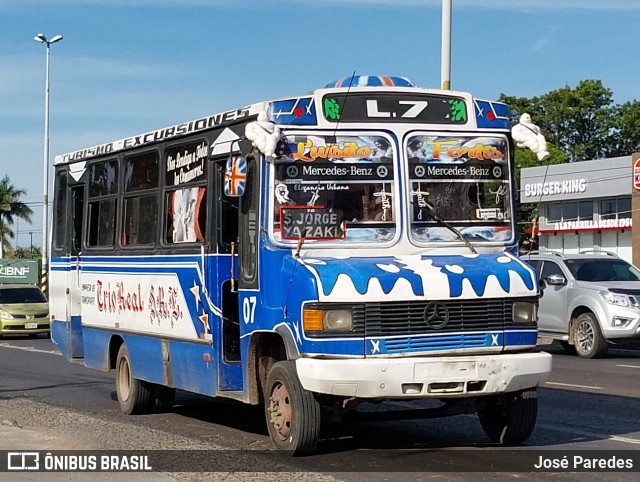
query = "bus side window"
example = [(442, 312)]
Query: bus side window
[(186, 215), (249, 229), (140, 220), (77, 215), (60, 216), (102, 215), (140, 202), (103, 191), (228, 208)]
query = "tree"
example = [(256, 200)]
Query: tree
[(627, 124), (27, 253), (5, 234), (579, 124), (11, 207)]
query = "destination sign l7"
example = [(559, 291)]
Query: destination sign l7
[(394, 107)]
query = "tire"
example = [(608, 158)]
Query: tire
[(293, 414), (588, 339), (135, 396), (510, 419), (164, 398)]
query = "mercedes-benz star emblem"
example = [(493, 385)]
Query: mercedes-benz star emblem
[(436, 315)]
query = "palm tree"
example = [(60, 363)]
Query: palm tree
[(11, 207), (5, 234)]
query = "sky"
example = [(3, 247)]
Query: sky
[(125, 67)]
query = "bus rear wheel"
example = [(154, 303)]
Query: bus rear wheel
[(292, 413), (509, 419), (135, 396), (164, 398)]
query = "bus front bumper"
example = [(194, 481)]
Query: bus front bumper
[(437, 377)]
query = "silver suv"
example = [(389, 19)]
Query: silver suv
[(589, 300)]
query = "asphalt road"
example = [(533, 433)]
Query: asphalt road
[(585, 405)]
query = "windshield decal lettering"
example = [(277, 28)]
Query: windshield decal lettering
[(302, 222), (454, 150), (308, 152)]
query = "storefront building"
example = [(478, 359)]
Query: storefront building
[(585, 205)]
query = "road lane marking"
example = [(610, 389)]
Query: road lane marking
[(573, 386), (30, 348), (628, 366), (624, 439)]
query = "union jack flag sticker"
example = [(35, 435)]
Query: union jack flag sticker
[(235, 176)]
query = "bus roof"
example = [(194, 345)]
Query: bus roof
[(303, 111), (197, 125)]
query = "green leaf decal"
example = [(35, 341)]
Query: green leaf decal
[(331, 109), (458, 112)]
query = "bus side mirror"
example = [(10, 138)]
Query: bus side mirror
[(235, 176)]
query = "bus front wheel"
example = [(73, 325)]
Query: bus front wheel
[(134, 396), (510, 418), (292, 413)]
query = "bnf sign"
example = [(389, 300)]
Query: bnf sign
[(19, 271)]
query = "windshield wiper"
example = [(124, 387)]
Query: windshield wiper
[(301, 239), (432, 213)]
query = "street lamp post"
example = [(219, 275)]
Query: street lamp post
[(445, 64), (45, 200)]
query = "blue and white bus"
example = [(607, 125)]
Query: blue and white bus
[(354, 244)]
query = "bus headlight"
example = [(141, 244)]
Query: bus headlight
[(330, 320), (338, 320), (525, 312)]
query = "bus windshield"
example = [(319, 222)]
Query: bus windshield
[(322, 180), (462, 180)]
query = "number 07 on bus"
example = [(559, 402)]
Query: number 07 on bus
[(311, 254)]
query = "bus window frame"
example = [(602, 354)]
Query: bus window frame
[(509, 180), (398, 203), (223, 245), (129, 194), (250, 229), (166, 189), (92, 200), (61, 200)]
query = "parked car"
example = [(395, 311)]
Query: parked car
[(23, 310), (589, 300)]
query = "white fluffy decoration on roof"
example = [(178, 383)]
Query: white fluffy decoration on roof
[(263, 134), (527, 134)]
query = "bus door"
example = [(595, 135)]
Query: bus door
[(225, 271), (74, 287), (62, 285)]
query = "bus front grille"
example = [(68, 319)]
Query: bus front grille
[(408, 317)]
